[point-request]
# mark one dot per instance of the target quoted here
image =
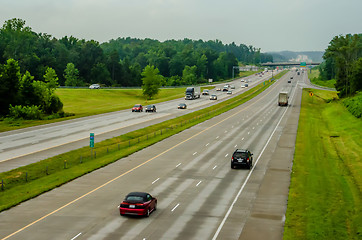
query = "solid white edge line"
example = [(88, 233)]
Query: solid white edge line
[(178, 165), (214, 167), (173, 209), (194, 154), (76, 236), (155, 180), (198, 184), (247, 178)]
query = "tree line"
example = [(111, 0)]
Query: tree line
[(120, 62), (343, 62)]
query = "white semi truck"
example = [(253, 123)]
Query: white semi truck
[(192, 93)]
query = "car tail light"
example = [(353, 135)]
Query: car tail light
[(247, 159)]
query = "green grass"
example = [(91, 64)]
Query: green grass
[(50, 173), (325, 191), (314, 78)]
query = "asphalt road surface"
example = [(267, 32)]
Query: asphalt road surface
[(199, 195), (25, 146)]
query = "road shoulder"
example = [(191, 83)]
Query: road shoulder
[(267, 217)]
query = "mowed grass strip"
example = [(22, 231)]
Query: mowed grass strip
[(325, 191), (53, 172)]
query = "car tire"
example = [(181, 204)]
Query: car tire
[(232, 166), (148, 213), (155, 208)]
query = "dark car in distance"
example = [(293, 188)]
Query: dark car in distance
[(242, 158), (150, 108), (138, 203), (182, 106), (137, 108)]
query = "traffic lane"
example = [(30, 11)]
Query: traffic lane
[(132, 181), (34, 141)]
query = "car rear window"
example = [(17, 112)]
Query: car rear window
[(240, 155), (134, 198)]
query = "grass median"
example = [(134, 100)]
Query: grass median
[(325, 191), (30, 181)]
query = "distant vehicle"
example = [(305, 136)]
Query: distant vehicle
[(226, 88), (94, 86), (291, 77), (246, 80), (246, 85), (298, 73), (242, 86), (229, 92), (289, 81), (182, 106), (138, 203), (213, 97), (137, 108), (242, 80), (232, 87), (150, 108), (242, 157), (218, 89), (192, 93), (205, 92), (283, 99)]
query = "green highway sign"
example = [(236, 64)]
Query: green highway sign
[(303, 64), (91, 140)]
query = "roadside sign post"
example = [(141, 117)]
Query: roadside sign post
[(311, 94), (91, 143)]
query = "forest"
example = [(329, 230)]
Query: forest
[(343, 62), (120, 62)]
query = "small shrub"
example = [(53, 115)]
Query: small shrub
[(354, 105), (25, 112)]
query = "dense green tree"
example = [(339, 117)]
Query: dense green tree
[(26, 90), (151, 81), (189, 75), (51, 79), (10, 83), (100, 74), (71, 75), (344, 51)]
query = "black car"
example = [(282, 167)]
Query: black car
[(243, 158), (182, 106), (150, 108)]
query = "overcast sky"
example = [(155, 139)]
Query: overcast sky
[(272, 25)]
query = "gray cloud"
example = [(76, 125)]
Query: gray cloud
[(269, 25)]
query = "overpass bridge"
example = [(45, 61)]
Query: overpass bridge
[(270, 64)]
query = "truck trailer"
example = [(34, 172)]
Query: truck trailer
[(283, 99)]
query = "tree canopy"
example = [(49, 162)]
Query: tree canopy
[(120, 62), (343, 61)]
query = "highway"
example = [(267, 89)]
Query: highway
[(199, 195), (25, 146)]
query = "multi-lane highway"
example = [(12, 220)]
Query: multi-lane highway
[(29, 145), (199, 195)]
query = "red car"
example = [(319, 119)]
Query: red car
[(137, 108), (138, 203)]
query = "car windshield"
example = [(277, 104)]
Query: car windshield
[(240, 155), (137, 105)]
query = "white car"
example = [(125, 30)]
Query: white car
[(94, 86)]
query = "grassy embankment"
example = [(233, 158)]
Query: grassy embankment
[(325, 200), (314, 78), (30, 181)]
